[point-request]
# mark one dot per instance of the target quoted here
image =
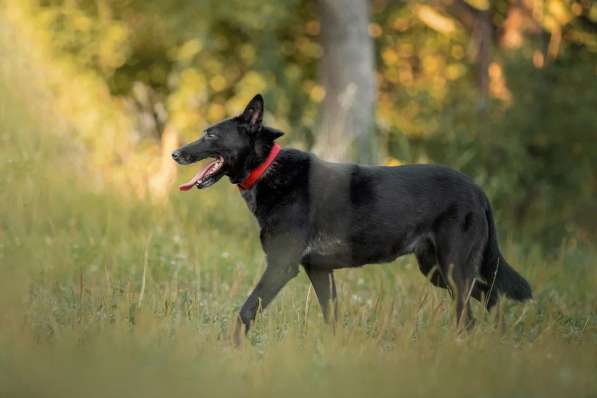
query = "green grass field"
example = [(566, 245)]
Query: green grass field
[(103, 294)]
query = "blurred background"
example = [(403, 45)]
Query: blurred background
[(114, 283), (505, 91)]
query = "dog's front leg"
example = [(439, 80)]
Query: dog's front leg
[(276, 275), (325, 289)]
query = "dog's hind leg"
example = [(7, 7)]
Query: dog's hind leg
[(325, 289), (426, 255), (427, 258), (460, 252)]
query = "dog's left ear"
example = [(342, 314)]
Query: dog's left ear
[(270, 134), (253, 114)]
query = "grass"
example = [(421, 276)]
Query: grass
[(104, 294)]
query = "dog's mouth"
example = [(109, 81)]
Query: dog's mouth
[(206, 176)]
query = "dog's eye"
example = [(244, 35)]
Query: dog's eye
[(210, 135)]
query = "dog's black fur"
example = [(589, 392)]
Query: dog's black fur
[(327, 216)]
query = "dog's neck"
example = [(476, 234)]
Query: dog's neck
[(257, 172), (250, 195)]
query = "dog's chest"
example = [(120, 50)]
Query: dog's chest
[(250, 199)]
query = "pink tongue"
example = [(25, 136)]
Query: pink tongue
[(191, 183)]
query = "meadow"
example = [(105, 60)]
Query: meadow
[(103, 293)]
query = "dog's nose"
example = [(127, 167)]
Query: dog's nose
[(176, 155)]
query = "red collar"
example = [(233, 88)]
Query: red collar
[(257, 172)]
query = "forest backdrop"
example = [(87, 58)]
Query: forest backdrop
[(505, 91)]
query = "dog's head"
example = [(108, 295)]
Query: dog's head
[(238, 145)]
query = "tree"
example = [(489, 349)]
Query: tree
[(347, 72), (478, 23)]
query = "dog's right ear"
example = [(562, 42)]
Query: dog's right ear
[(253, 114)]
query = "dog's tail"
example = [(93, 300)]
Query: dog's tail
[(499, 275)]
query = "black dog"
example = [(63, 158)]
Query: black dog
[(329, 215)]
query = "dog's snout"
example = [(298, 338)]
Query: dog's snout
[(177, 155), (182, 157)]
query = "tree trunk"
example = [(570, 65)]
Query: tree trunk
[(478, 23), (482, 35), (162, 180), (347, 70)]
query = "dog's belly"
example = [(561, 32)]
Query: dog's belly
[(331, 253), (325, 251)]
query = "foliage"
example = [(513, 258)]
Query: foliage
[(534, 159), (124, 70)]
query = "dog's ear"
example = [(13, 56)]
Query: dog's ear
[(253, 114), (270, 134), (264, 140)]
